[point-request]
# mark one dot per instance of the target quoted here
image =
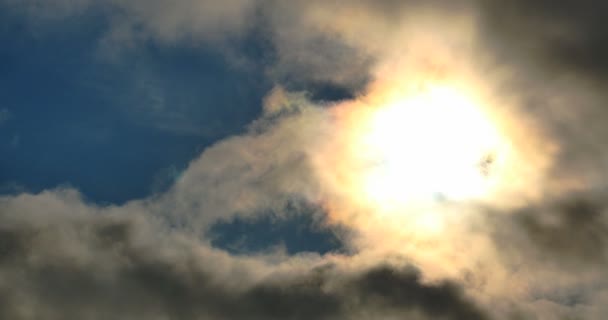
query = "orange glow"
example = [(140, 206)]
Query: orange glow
[(412, 153)]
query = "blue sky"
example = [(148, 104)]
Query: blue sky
[(80, 116), (115, 128), (122, 126)]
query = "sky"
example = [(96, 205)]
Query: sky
[(263, 159)]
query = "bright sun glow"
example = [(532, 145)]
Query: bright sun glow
[(417, 156), (434, 144), (410, 155)]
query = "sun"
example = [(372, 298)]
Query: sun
[(407, 154), (416, 156), (433, 144)]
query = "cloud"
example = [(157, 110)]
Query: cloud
[(246, 173), (554, 57), (66, 258), (571, 233), (60, 260), (320, 41), (553, 253), (541, 257), (565, 36)]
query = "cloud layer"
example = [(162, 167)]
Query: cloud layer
[(535, 257)]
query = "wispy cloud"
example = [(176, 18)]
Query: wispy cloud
[(5, 115)]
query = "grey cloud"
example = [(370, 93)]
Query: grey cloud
[(570, 233), (403, 288), (581, 234), (78, 265), (554, 53), (567, 35), (307, 54), (558, 249)]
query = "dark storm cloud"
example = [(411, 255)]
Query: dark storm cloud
[(79, 267)]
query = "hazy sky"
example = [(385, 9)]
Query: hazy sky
[(265, 159)]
